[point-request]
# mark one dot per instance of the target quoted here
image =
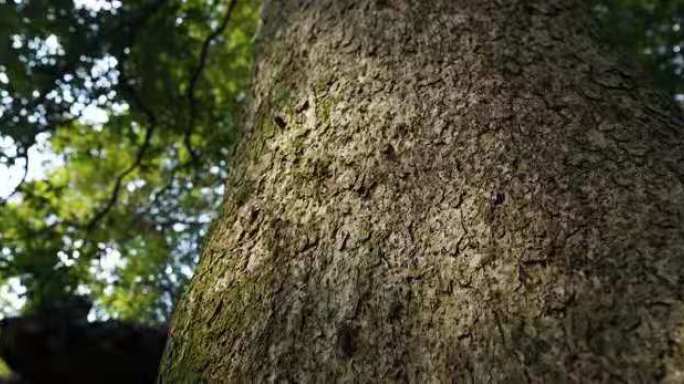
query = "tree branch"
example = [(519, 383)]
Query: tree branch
[(204, 53), (140, 155)]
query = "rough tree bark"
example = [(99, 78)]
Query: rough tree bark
[(442, 191)]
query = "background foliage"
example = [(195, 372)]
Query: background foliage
[(651, 31), (134, 104), (135, 101)]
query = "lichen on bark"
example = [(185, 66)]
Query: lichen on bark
[(444, 191)]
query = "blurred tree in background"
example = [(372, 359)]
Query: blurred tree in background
[(651, 31), (132, 105)]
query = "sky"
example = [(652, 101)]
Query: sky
[(41, 158)]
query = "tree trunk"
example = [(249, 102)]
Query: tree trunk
[(442, 191)]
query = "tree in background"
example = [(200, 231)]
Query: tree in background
[(651, 31), (442, 191), (136, 101)]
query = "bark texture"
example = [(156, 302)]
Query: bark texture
[(442, 191)]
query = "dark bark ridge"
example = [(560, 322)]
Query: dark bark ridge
[(443, 191)]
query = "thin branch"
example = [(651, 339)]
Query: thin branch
[(204, 54), (114, 196), (140, 155), (161, 191)]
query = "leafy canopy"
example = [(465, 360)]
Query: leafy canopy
[(136, 102)]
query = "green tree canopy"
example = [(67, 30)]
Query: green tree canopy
[(135, 104)]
